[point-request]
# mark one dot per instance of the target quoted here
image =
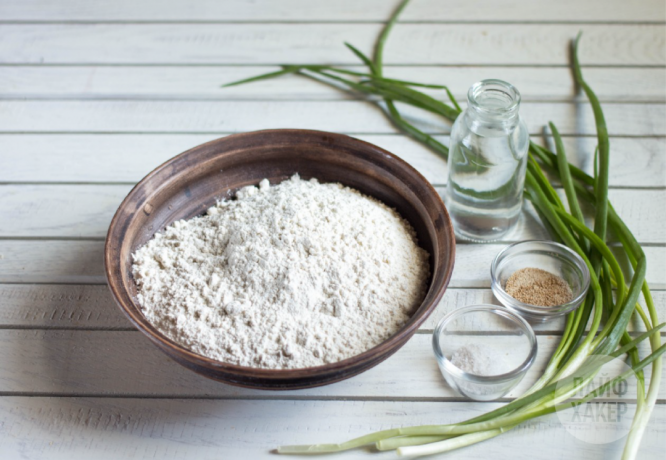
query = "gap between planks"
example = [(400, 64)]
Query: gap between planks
[(131, 184), (5, 394), (596, 11), (443, 65), (351, 21)]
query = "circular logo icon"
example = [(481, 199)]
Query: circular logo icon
[(608, 416)]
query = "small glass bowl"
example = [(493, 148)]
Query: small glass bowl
[(546, 255), (484, 351)]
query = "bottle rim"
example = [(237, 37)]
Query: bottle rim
[(505, 93)]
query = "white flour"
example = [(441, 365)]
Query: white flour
[(288, 276)]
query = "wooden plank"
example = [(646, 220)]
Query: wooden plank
[(628, 84), (81, 262), (635, 162), (473, 265), (71, 306), (60, 306), (451, 44), (98, 363), (132, 116), (341, 10), (86, 211), (83, 428), (127, 158), (455, 298), (52, 262), (73, 211)]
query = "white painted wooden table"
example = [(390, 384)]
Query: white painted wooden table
[(94, 94)]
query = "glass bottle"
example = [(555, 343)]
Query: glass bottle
[(487, 162)]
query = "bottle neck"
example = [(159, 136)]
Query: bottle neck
[(493, 102)]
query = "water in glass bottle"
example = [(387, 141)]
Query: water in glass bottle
[(487, 161)]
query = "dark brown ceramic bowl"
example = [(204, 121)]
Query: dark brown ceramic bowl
[(188, 184)]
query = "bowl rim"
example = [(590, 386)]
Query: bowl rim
[(499, 310), (113, 275), (539, 310)]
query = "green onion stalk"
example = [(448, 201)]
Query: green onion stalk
[(593, 334)]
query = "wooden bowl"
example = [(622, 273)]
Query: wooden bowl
[(190, 183)]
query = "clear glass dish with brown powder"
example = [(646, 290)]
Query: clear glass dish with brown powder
[(540, 280)]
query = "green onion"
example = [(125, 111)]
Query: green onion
[(581, 351)]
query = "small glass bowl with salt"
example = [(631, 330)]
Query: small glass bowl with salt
[(540, 256), (484, 351)]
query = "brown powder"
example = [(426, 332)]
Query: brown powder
[(538, 287)]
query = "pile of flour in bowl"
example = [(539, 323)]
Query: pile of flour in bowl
[(293, 275)]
